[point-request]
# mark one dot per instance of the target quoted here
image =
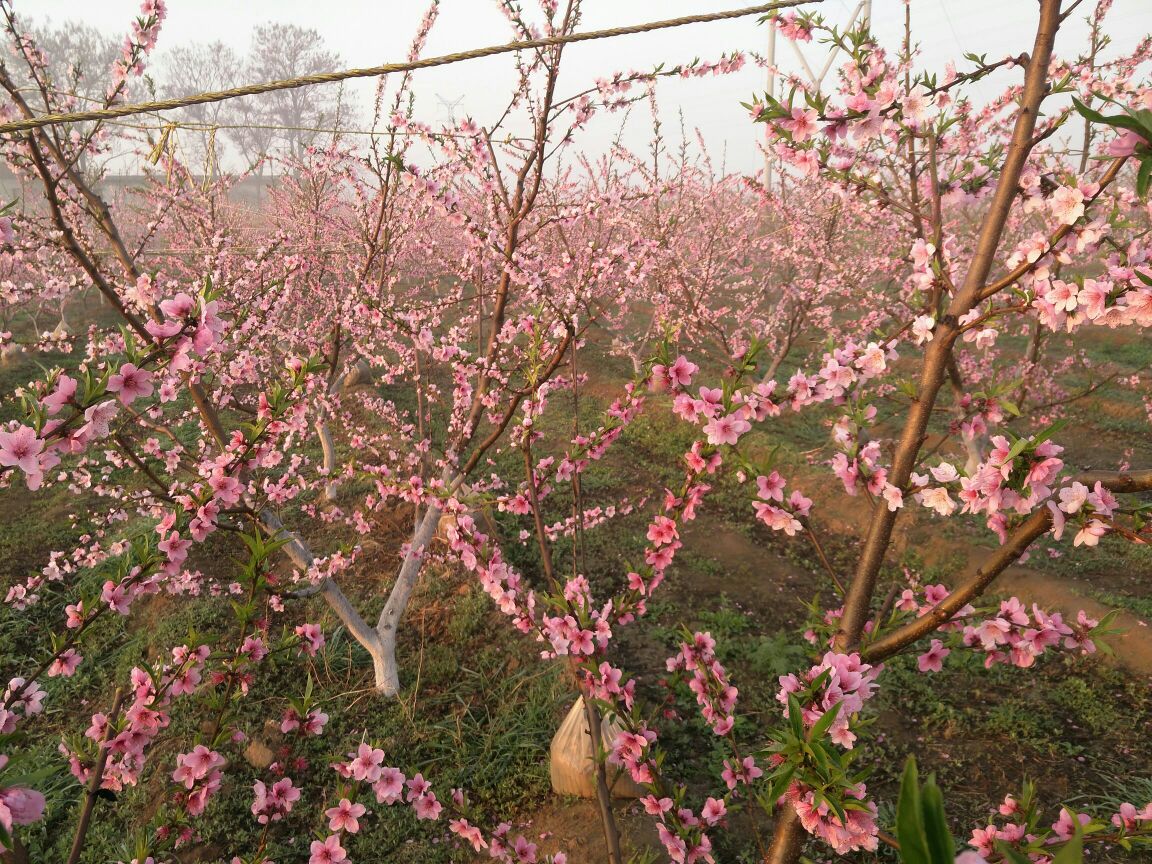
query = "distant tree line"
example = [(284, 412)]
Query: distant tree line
[(246, 134)]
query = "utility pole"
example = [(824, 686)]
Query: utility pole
[(771, 58)]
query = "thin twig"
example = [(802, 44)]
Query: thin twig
[(96, 780)]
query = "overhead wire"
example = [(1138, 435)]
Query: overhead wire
[(42, 120)]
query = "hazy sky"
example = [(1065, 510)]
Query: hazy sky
[(369, 32)]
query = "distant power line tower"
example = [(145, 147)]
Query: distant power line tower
[(450, 106), (862, 14)]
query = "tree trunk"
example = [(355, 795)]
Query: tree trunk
[(328, 447), (387, 673), (788, 839)]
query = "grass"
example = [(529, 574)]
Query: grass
[(479, 709), (478, 713), (1114, 562), (1141, 606)]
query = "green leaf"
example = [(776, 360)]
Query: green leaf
[(1116, 121), (1050, 431), (1108, 620), (30, 779), (820, 680), (795, 716), (837, 808), (940, 843), (1012, 855), (1087, 113), (1073, 850), (820, 727), (780, 784), (253, 544), (1144, 177), (910, 819), (819, 756), (1017, 448), (1144, 117)]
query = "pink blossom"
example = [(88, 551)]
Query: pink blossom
[(427, 807), (922, 328), (311, 638), (1091, 533), (662, 531), (196, 765), (745, 772), (893, 496), (937, 499), (314, 723), (327, 851), (367, 764), (389, 785), (1067, 205), (1129, 818), (65, 665), (771, 488), (116, 596), (1102, 500), (468, 832), (859, 831), (933, 659), (98, 418), (19, 805), (713, 811), (62, 394), (916, 106), (180, 306), (130, 383), (272, 803), (922, 252), (1125, 144), (344, 816), (21, 448), (800, 504), (654, 806), (682, 371), (726, 430), (984, 839), (1064, 827), (777, 518)]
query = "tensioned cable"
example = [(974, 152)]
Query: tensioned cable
[(375, 71)]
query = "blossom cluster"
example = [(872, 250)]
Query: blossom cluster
[(845, 684), (714, 693)]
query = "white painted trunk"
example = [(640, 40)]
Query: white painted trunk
[(975, 449), (328, 448), (387, 673), (378, 641)]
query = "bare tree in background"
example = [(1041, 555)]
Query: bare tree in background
[(300, 116), (284, 123), (78, 59), (194, 68)]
